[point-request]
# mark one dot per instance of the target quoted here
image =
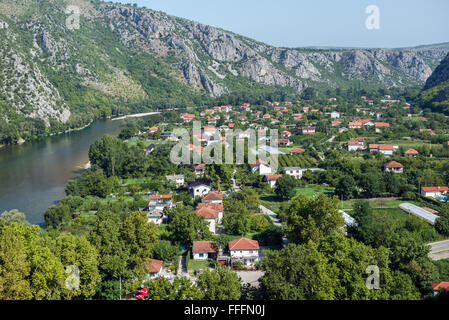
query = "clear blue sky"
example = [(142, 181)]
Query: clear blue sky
[(299, 23)]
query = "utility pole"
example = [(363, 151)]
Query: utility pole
[(120, 287)]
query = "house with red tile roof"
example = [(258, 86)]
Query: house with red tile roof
[(295, 151), (160, 201), (261, 166), (308, 130), (155, 268), (210, 215), (244, 250), (204, 250), (442, 286), (411, 152), (434, 192), (356, 144), (213, 197), (271, 179), (393, 166)]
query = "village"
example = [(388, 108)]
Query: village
[(371, 130)]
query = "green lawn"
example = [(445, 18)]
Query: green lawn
[(313, 190), (198, 264)]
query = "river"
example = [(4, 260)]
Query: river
[(33, 175)]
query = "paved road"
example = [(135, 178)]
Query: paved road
[(439, 250), (271, 214), (251, 277)]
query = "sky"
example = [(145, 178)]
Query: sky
[(304, 23)]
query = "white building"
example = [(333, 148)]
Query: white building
[(434, 192), (199, 187), (272, 179), (356, 144), (204, 250), (244, 250), (211, 216), (293, 171), (178, 179), (156, 216), (335, 115), (159, 202), (261, 167)]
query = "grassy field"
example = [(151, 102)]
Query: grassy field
[(314, 190), (198, 264)]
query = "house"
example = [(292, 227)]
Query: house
[(308, 130), (271, 179), (160, 201), (261, 166), (212, 197), (284, 142), (335, 123), (286, 134), (210, 215), (156, 216), (355, 125), (380, 125), (204, 250), (434, 192), (411, 152), (335, 115), (393, 166), (244, 250), (199, 187), (199, 169), (155, 268), (293, 171), (386, 149), (438, 287), (295, 151), (186, 117), (178, 179), (355, 144), (152, 130), (214, 206)]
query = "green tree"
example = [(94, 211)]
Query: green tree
[(181, 289), (220, 284), (286, 187), (346, 188), (187, 227)]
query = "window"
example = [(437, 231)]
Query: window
[(201, 255)]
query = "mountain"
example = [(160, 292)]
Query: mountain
[(435, 95), (126, 59)]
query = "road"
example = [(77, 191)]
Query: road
[(439, 250), (271, 214)]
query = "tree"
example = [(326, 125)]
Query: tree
[(312, 218), (14, 266), (442, 223), (220, 284), (187, 227), (237, 222), (139, 237), (259, 222), (181, 289), (14, 216), (286, 187), (298, 272), (346, 188), (163, 250)]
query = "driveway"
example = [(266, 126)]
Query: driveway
[(439, 250), (271, 214), (251, 277)]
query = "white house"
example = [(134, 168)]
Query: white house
[(199, 169), (214, 206), (204, 250), (272, 179), (335, 115), (212, 197), (356, 144), (434, 191), (244, 250), (210, 215), (199, 187), (293, 171), (160, 201), (155, 268), (178, 179), (261, 166), (156, 216)]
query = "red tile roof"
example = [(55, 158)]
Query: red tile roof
[(434, 189), (211, 196), (258, 162), (207, 213), (271, 177), (440, 285), (155, 265), (160, 196), (297, 150), (214, 206), (243, 244), (393, 164), (411, 151), (204, 246)]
